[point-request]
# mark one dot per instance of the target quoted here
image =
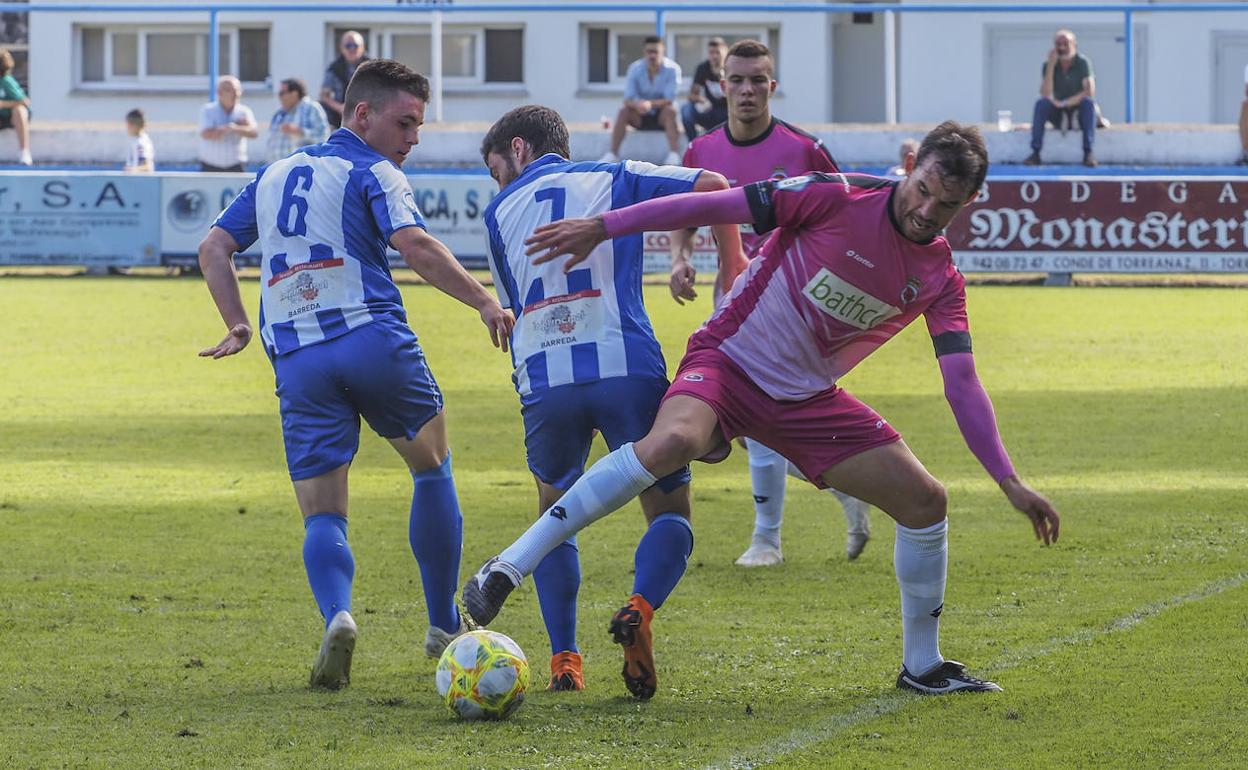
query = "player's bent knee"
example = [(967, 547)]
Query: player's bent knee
[(931, 505), (664, 452)]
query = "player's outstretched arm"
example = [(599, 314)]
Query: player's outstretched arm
[(978, 423), (216, 262), (577, 237), (434, 262)]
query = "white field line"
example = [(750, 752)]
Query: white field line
[(805, 737)]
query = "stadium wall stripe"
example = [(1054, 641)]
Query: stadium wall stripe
[(806, 737)]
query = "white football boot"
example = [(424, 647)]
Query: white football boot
[(760, 554), (436, 639), (858, 524), (332, 669)]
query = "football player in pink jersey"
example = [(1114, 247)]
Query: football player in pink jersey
[(751, 146), (853, 260)]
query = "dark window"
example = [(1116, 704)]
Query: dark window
[(253, 55), (92, 55), (598, 55), (504, 56)]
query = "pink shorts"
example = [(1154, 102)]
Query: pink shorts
[(814, 434)]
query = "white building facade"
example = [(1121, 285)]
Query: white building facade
[(832, 67)]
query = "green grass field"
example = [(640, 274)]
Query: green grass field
[(154, 611)]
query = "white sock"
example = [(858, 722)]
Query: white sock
[(921, 558), (767, 479), (25, 158), (608, 484)]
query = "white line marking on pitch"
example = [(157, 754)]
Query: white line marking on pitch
[(805, 737)]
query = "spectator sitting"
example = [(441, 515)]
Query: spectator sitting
[(224, 128), (908, 146), (338, 74), (298, 122), (1243, 124), (649, 101), (141, 158), (1067, 86), (707, 106), (14, 108)]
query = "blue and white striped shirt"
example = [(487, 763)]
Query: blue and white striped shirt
[(324, 217), (588, 324)]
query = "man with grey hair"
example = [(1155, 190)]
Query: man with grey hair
[(224, 128), (334, 87), (1067, 88)]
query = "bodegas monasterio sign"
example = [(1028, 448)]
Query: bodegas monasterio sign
[(1104, 225)]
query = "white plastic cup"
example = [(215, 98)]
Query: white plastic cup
[(1005, 121)]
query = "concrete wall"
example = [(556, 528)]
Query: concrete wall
[(448, 144), (945, 61), (301, 46)]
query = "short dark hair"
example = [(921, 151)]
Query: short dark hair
[(540, 126), (958, 151), (716, 41), (136, 117), (376, 81), (297, 85), (651, 40), (750, 49)]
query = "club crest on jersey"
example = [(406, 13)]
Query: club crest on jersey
[(307, 287), (561, 319), (911, 292), (836, 297)]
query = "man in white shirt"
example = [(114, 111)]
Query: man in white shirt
[(224, 128)]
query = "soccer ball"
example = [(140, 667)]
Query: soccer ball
[(483, 675)]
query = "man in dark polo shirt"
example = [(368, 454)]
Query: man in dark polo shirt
[(1067, 87), (707, 107)]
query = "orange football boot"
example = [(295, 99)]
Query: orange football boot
[(565, 672), (631, 628)]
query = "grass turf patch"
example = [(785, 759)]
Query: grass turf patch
[(157, 614)]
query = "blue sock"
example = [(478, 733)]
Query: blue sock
[(558, 580), (661, 557), (436, 533), (328, 561)]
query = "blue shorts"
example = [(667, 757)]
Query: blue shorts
[(559, 425), (376, 371)]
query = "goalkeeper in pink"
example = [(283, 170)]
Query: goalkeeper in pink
[(851, 262)]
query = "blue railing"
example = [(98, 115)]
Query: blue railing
[(660, 10)]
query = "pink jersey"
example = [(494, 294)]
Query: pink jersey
[(782, 151), (835, 282)]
